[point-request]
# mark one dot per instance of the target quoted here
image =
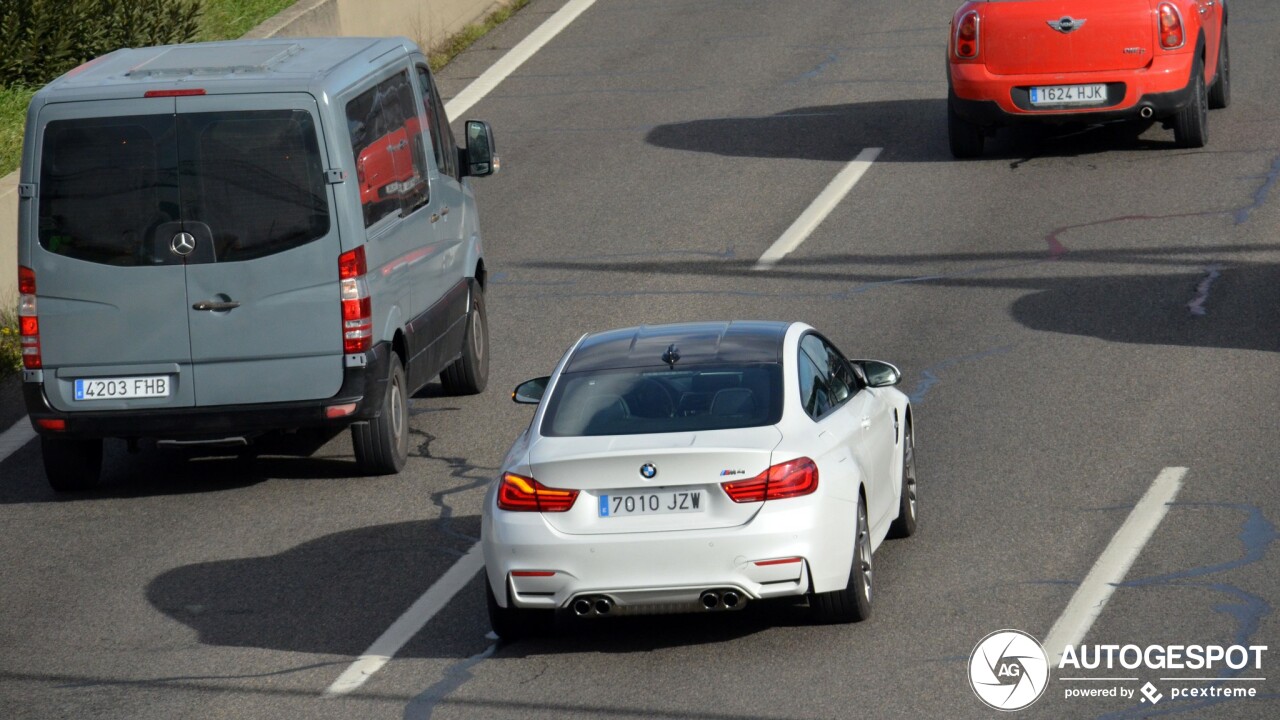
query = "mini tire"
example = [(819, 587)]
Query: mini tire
[(513, 623), (852, 603), (382, 444), (1191, 124), (72, 464), (1220, 90), (469, 374), (966, 138), (905, 524)]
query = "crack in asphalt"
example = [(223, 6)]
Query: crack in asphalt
[(1197, 304), (929, 376), (455, 676)]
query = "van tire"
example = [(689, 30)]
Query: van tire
[(382, 444), (72, 464), (469, 374)]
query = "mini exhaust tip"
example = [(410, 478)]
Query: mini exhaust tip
[(603, 606), (730, 599), (581, 606), (710, 600), (1146, 112)]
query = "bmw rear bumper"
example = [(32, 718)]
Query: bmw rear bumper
[(364, 386)]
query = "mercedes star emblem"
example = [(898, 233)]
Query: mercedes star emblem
[(183, 243)]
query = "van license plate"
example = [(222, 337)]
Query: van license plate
[(122, 388), (1069, 94), (654, 503)]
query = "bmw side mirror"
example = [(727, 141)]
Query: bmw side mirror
[(879, 373), (481, 154), (530, 392)]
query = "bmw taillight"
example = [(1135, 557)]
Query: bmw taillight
[(524, 494), (357, 308), (28, 323), (1172, 35), (966, 40), (784, 480)]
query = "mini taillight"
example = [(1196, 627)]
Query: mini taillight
[(784, 480), (52, 424), (176, 92), (1172, 36), (966, 41), (357, 308), (28, 322), (522, 494)]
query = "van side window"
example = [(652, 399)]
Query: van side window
[(254, 179), (106, 186), (442, 142), (387, 144)]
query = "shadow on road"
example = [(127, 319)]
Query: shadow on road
[(911, 130)]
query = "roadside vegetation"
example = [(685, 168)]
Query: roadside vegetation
[(10, 348), (454, 46)]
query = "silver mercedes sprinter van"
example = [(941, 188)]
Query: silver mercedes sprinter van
[(225, 239)]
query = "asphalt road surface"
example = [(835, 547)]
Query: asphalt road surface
[(1073, 313)]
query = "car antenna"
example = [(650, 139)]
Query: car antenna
[(671, 356)]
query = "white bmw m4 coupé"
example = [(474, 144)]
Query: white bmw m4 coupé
[(696, 468)]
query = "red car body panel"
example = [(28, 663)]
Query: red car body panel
[(1116, 42)]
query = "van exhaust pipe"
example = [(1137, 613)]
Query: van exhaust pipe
[(581, 607), (710, 600), (1146, 112)]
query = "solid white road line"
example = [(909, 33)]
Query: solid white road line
[(408, 624), (15, 437), (1114, 563), (819, 209), (515, 57)]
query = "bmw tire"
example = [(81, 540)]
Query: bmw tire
[(512, 623), (851, 603), (905, 524)]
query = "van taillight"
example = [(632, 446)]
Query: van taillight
[(1171, 35), (357, 309), (966, 40), (784, 480), (28, 323)]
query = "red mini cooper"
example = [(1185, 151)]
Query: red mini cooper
[(1090, 61)]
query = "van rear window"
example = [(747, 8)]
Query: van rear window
[(245, 184)]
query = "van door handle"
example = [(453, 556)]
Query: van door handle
[(215, 306), (435, 217)]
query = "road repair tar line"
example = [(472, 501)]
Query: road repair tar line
[(456, 577), (408, 624), (1113, 564), (15, 437), (819, 209)]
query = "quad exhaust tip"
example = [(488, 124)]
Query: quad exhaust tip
[(710, 600), (603, 606), (582, 606)]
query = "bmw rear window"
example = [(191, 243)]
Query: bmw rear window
[(642, 401)]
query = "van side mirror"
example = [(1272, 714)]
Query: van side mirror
[(481, 154), (530, 392), (878, 373)]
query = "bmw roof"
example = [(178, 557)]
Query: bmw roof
[(693, 343)]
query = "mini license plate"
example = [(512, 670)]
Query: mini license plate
[(122, 388), (1069, 94), (652, 503)]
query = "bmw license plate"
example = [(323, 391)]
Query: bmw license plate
[(1069, 94), (652, 503), (122, 388)]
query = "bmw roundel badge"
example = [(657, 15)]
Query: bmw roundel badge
[(648, 471)]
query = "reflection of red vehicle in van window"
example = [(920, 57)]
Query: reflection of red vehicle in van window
[(386, 168)]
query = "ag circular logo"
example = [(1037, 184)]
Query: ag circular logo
[(648, 471), (1008, 670)]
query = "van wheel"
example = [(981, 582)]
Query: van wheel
[(469, 374), (382, 444), (72, 464)]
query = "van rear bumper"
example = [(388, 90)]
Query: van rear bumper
[(364, 386)]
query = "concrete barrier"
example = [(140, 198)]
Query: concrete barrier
[(426, 22)]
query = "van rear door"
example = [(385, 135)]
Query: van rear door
[(112, 294), (264, 307)]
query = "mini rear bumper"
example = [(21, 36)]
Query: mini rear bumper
[(668, 571), (363, 386), (1157, 91)]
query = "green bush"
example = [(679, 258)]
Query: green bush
[(44, 38), (10, 347)]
